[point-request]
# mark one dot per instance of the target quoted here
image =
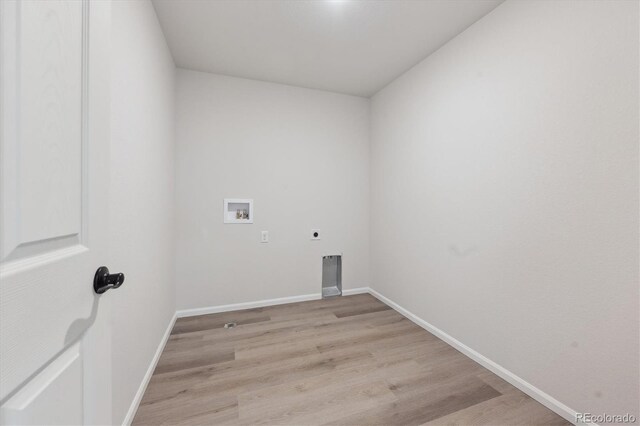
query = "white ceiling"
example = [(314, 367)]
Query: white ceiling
[(346, 46)]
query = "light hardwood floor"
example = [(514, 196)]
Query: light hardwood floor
[(345, 361)]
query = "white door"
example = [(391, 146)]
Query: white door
[(54, 159)]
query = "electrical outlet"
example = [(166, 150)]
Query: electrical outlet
[(315, 234), (264, 237)]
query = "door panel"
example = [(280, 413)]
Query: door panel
[(46, 110), (54, 138), (52, 397), (50, 121)]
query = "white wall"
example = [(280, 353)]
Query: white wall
[(142, 194), (301, 154), (505, 195)]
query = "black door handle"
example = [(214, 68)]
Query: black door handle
[(104, 281)]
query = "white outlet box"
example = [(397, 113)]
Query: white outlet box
[(238, 210), (315, 234)]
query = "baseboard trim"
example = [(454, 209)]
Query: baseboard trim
[(182, 313), (351, 291), (246, 305), (526, 387), (147, 377)]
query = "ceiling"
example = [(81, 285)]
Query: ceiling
[(346, 46)]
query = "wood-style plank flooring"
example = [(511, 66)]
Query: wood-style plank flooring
[(342, 361)]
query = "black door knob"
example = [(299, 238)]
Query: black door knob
[(104, 281)]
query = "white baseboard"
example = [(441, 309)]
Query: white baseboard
[(526, 387), (147, 377), (262, 303), (247, 305), (359, 290)]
